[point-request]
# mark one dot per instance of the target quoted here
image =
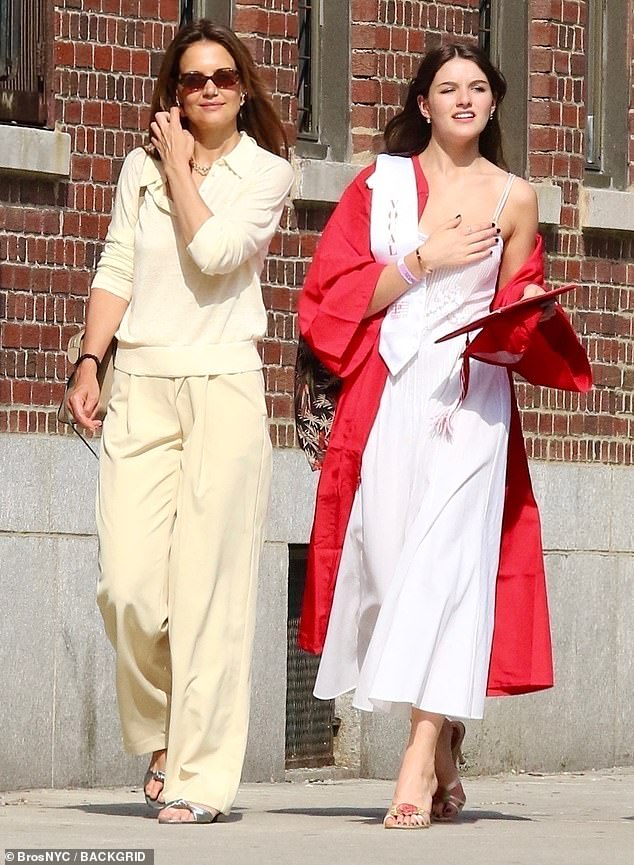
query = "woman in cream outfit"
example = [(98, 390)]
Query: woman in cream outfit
[(185, 453)]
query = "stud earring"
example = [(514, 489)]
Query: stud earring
[(428, 119), (491, 114), (243, 99)]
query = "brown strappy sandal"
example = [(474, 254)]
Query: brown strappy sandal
[(452, 804)]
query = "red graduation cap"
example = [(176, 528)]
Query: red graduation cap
[(506, 332), (518, 337)]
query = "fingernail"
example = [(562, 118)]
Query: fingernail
[(498, 230), (458, 217), (493, 225)]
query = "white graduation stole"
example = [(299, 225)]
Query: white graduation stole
[(393, 233)]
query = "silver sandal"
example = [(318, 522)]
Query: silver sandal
[(200, 815), (151, 775)]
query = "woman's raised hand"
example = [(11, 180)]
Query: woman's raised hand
[(550, 307), (454, 244), (533, 290), (174, 144)]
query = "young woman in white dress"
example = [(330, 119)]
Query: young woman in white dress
[(412, 617)]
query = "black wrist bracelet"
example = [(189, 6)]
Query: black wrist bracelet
[(88, 357), (421, 266)]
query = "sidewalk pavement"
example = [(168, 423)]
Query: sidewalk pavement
[(568, 819)]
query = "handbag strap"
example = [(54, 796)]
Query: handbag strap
[(85, 441)]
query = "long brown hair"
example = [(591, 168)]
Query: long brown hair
[(409, 133), (257, 116)]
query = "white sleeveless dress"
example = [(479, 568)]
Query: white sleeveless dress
[(412, 616)]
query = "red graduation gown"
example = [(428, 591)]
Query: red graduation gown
[(337, 291)]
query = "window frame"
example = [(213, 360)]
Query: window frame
[(595, 60), (509, 47), (485, 25), (308, 66), (20, 106), (218, 11), (607, 94), (330, 74)]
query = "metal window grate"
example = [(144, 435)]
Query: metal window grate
[(309, 722), (8, 40), (595, 54), (22, 98), (187, 12), (484, 27), (306, 68)]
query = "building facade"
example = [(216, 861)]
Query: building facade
[(76, 78)]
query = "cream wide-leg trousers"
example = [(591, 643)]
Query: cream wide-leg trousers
[(183, 491)]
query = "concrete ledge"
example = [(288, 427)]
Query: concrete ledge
[(607, 209), (321, 182), (35, 151), (549, 203)]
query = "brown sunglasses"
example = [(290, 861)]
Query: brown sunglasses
[(222, 78)]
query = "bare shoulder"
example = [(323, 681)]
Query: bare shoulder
[(522, 193), (521, 210)]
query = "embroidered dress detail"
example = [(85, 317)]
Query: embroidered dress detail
[(442, 423)]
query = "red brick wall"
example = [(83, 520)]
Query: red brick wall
[(270, 29), (106, 51), (595, 426)]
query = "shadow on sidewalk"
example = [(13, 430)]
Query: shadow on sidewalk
[(372, 816), (135, 809)]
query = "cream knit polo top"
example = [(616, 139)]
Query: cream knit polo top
[(197, 309)]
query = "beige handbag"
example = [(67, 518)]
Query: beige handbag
[(104, 377)]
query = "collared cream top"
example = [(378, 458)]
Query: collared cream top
[(196, 309)]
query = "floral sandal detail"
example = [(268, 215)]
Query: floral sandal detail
[(420, 818), (200, 814)]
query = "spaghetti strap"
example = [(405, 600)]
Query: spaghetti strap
[(503, 197)]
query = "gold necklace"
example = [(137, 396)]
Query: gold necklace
[(198, 168)]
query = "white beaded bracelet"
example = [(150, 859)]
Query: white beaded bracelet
[(405, 272)]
